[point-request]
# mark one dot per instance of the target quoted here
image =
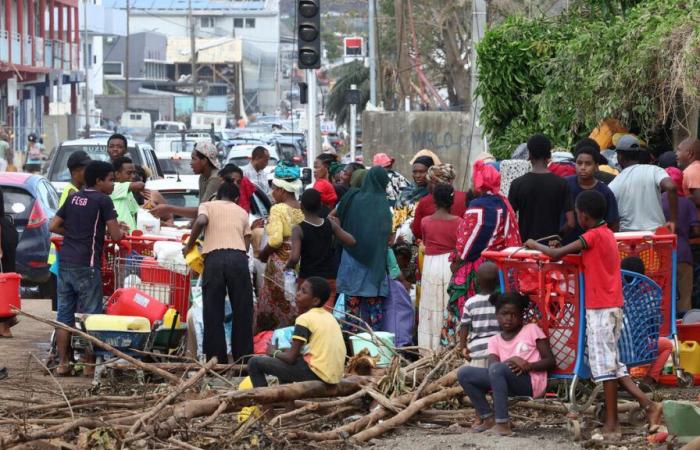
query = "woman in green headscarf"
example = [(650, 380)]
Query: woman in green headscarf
[(362, 275)]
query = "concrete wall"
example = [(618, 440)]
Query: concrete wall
[(57, 129), (402, 134), (112, 106)]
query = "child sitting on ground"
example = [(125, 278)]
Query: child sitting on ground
[(603, 293), (519, 358), (315, 328), (479, 322), (636, 265)]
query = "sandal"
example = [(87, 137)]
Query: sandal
[(64, 370)]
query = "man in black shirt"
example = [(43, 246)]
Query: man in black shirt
[(540, 197)]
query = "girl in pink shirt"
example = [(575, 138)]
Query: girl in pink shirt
[(519, 358)]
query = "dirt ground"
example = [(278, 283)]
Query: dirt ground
[(24, 355)]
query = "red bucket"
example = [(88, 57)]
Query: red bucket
[(133, 302), (9, 293)]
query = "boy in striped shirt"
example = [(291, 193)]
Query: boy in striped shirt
[(479, 322)]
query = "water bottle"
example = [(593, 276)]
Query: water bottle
[(290, 286)]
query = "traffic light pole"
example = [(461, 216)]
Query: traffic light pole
[(312, 117), (353, 126)]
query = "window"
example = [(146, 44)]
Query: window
[(250, 23), (113, 68), (206, 22), (155, 71), (238, 23)]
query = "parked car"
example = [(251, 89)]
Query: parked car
[(290, 149), (141, 153), (175, 164), (240, 156), (31, 202)]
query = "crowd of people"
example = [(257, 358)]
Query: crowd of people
[(339, 243)]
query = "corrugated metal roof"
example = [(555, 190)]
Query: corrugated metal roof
[(211, 5)]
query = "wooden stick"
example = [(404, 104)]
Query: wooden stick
[(93, 340), (447, 357), (183, 445), (313, 406), (179, 367), (405, 415), (60, 388), (172, 396)]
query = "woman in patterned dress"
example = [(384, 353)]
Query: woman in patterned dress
[(273, 309), (488, 224)]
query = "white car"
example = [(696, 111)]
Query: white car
[(240, 156), (175, 164)]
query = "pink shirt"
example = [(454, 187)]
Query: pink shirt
[(523, 345)]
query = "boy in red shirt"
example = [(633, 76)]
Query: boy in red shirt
[(601, 269)]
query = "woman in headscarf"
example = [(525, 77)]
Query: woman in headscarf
[(421, 162), (488, 224), (273, 309), (439, 174), (362, 276), (335, 170)]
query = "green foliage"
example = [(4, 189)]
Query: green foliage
[(562, 75), (333, 45), (351, 73)]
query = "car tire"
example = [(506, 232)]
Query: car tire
[(47, 289)]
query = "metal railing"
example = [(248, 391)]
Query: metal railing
[(48, 53), (39, 51), (4, 46), (27, 55), (16, 43), (74, 56)]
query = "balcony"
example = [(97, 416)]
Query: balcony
[(16, 45), (74, 56), (4, 46), (27, 55)]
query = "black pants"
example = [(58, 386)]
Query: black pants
[(226, 271), (259, 366)]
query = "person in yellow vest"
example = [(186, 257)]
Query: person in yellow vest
[(76, 166)]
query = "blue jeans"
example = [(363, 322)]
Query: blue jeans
[(502, 382), (79, 290)]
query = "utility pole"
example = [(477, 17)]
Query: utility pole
[(477, 144), (353, 124), (194, 57), (87, 73), (312, 117), (126, 62), (372, 57)]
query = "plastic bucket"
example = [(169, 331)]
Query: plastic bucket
[(133, 302), (385, 350), (9, 293)]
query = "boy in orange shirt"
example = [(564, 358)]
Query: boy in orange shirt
[(601, 269)]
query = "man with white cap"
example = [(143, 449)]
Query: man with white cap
[(397, 182), (638, 189), (205, 163)]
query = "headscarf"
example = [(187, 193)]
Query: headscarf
[(486, 178), (427, 161), (357, 178), (335, 168), (677, 176), (433, 157), (293, 187), (418, 192), (246, 189), (442, 174), (365, 214), (328, 195)]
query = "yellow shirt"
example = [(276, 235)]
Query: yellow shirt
[(280, 223), (325, 348), (68, 190)]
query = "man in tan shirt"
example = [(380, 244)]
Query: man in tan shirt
[(226, 241)]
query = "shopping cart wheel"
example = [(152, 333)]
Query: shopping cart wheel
[(685, 379), (637, 417), (573, 426)]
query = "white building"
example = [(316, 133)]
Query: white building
[(254, 22)]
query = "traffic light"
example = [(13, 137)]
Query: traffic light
[(309, 33)]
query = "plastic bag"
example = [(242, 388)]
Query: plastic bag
[(197, 315), (290, 286)]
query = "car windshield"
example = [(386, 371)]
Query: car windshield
[(18, 203), (59, 169), (176, 146), (173, 166), (188, 199), (229, 134), (240, 161)]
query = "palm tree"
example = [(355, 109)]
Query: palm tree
[(352, 73)]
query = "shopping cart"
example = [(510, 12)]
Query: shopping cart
[(557, 295)]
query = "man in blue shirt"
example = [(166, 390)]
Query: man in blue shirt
[(82, 221)]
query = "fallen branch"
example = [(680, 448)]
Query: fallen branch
[(172, 396), (93, 340), (183, 367), (406, 415)]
